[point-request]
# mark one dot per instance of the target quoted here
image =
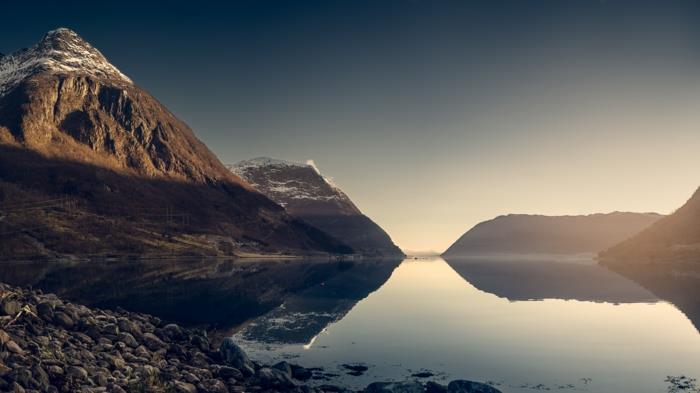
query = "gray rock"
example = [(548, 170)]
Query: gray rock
[(152, 342), (10, 307), (45, 310), (23, 376), (76, 372), (462, 386), (200, 342), (4, 337), (184, 387), (234, 355), (126, 325), (55, 370), (226, 372), (301, 373), (128, 339), (63, 319), (16, 388), (173, 331), (215, 386), (41, 377), (101, 378), (284, 367), (4, 370), (111, 328), (395, 387), (271, 377), (14, 347)]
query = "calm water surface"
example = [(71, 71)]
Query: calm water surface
[(523, 325)]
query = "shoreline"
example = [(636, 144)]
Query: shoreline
[(51, 345)]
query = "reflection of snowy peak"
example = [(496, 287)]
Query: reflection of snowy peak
[(299, 187), (61, 51), (305, 193)]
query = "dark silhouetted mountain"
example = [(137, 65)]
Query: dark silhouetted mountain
[(673, 238), (664, 258), (92, 164), (308, 195), (536, 234)]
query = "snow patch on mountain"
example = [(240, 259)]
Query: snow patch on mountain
[(275, 178), (61, 51)]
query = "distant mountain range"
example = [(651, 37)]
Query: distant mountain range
[(305, 193), (93, 165), (536, 234)]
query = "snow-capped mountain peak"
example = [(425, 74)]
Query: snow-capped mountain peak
[(304, 192), (291, 183), (61, 51)]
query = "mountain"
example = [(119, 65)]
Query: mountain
[(91, 164), (537, 234), (664, 258), (305, 193), (674, 238)]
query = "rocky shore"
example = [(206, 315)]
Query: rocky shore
[(50, 345)]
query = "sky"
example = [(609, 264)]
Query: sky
[(431, 115)]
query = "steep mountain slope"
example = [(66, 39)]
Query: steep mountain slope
[(305, 193), (92, 164), (674, 238), (665, 258), (520, 233)]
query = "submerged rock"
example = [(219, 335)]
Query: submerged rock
[(274, 378)]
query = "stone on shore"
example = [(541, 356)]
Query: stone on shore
[(234, 355)]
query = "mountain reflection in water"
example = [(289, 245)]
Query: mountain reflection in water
[(557, 325), (305, 314), (216, 292), (553, 277)]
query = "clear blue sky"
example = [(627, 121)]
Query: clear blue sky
[(432, 115)]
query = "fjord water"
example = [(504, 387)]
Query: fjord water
[(562, 324), (523, 325)]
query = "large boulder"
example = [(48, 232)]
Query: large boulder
[(234, 355), (395, 387), (462, 386)]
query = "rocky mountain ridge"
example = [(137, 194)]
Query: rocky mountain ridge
[(131, 177), (309, 195), (61, 51), (674, 238)]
